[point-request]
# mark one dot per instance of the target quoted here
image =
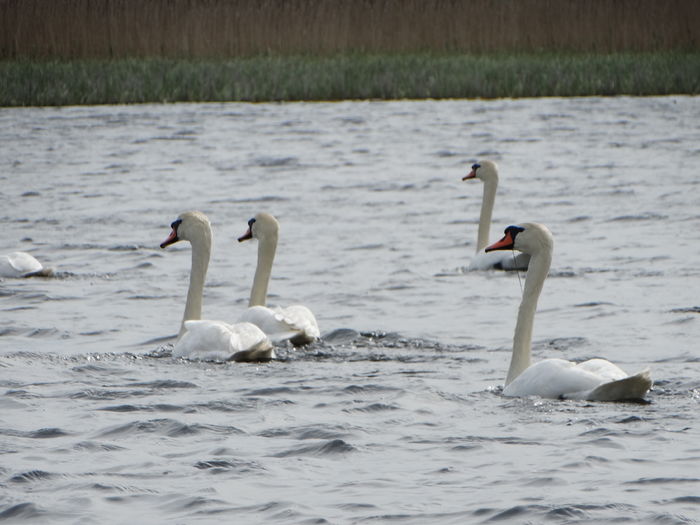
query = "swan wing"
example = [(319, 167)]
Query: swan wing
[(553, 378), (294, 323), (602, 368), (19, 264), (499, 261), (272, 323), (302, 319), (219, 341)]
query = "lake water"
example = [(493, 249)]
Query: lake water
[(396, 415)]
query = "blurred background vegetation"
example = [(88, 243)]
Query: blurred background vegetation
[(58, 52)]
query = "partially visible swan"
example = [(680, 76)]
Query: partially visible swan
[(295, 323), (595, 379), (22, 264), (210, 340), (487, 172)]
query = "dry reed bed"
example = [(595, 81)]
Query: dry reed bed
[(68, 29)]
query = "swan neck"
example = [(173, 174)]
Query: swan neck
[(487, 203), (201, 251), (522, 340), (266, 255)]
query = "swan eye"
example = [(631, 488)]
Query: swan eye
[(175, 224), (476, 166), (250, 222)]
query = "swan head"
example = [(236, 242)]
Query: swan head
[(189, 226), (262, 226), (484, 170), (529, 237)]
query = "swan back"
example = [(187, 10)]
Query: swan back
[(219, 341), (19, 264)]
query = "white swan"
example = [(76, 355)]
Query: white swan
[(22, 264), (595, 379), (294, 323), (487, 172), (210, 340)]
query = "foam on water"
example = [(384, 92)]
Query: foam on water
[(396, 416)]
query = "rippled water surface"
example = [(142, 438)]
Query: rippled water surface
[(396, 415)]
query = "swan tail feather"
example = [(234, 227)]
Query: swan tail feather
[(632, 388)]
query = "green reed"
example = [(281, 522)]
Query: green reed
[(354, 76)]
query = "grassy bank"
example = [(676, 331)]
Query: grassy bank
[(57, 83)]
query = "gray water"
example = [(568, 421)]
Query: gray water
[(396, 415)]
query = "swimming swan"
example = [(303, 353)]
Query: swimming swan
[(487, 172), (595, 379), (210, 340), (22, 264), (294, 323)]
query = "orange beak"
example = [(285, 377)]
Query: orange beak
[(246, 236), (504, 244), (471, 175), (172, 238)]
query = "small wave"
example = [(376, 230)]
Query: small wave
[(335, 446), (373, 407), (687, 310), (167, 427), (93, 446), (217, 466), (164, 384), (251, 200), (518, 511), (275, 162), (32, 475), (144, 408), (537, 513), (686, 499), (307, 432), (22, 511), (592, 304), (42, 433), (369, 389), (605, 442), (662, 481), (566, 343), (648, 216)]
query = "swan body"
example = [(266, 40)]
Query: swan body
[(202, 339), (21, 264), (595, 379), (487, 172), (219, 341), (295, 323)]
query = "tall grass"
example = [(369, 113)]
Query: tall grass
[(68, 29), (355, 76)]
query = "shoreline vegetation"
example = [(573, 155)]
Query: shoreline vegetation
[(345, 77), (68, 52)]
